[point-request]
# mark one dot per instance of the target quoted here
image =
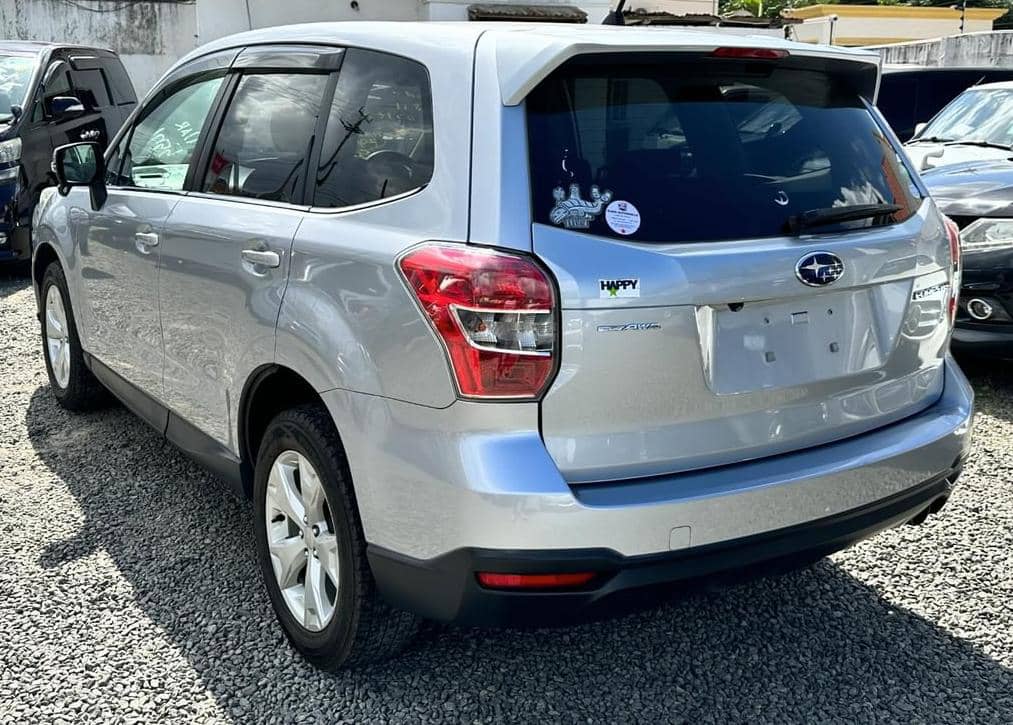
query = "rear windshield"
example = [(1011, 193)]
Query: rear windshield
[(684, 150)]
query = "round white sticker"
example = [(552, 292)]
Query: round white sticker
[(622, 217)]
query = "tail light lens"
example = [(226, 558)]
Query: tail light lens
[(953, 232), (494, 313)]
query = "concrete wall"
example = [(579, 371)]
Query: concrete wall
[(149, 36), (974, 49), (881, 24)]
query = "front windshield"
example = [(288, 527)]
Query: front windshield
[(15, 77), (975, 115)]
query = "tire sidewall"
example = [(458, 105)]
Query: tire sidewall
[(286, 433)]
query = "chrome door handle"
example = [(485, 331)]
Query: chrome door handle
[(262, 258), (144, 241)]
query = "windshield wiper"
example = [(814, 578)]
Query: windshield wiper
[(835, 214), (982, 143), (930, 139)]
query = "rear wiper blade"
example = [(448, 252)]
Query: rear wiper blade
[(835, 214), (982, 143)]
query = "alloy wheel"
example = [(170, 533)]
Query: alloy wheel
[(301, 540), (57, 337)]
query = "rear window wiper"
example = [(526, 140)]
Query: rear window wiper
[(836, 214), (982, 143)]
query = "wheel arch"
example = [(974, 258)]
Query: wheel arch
[(269, 390)]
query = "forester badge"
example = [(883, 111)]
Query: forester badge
[(574, 212)]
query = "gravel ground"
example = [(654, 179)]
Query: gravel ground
[(129, 592)]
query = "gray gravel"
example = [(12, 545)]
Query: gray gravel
[(129, 592)]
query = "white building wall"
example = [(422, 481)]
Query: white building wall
[(149, 36)]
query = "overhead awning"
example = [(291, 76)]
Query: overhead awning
[(539, 13)]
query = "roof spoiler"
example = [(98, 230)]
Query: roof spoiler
[(616, 17)]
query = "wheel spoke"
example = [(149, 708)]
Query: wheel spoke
[(64, 361), (54, 326), (283, 494), (288, 557), (312, 491), (318, 605), (327, 554)]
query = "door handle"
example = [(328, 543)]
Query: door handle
[(144, 241), (262, 258)]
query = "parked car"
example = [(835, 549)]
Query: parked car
[(495, 357), (50, 95), (976, 125), (910, 96), (978, 196)]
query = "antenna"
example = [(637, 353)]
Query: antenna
[(616, 17)]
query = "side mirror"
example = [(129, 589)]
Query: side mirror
[(62, 108), (81, 164), (919, 127)]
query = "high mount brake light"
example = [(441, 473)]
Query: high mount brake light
[(494, 313), (956, 268), (750, 53)]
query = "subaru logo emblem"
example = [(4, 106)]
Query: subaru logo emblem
[(819, 269)]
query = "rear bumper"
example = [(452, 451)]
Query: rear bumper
[(444, 492), (983, 339), (446, 588)]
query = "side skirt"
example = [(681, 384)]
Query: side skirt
[(197, 445)]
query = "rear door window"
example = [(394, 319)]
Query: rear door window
[(704, 150), (263, 148), (379, 137)]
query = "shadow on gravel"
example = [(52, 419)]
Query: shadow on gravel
[(13, 278), (991, 377), (816, 645)]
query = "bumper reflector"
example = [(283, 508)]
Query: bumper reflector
[(495, 580)]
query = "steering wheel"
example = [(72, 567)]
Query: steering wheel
[(393, 161)]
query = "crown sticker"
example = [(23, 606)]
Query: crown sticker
[(575, 212)]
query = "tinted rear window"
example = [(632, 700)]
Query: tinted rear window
[(702, 150)]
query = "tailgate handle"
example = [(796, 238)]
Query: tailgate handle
[(262, 258)]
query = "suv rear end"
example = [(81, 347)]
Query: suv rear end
[(720, 337)]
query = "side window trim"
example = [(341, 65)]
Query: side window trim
[(209, 132), (309, 189), (125, 137)]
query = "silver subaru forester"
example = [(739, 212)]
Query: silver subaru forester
[(497, 322)]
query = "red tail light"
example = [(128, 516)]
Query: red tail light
[(750, 53), (493, 580), (494, 313), (953, 232)]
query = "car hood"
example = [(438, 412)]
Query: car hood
[(927, 156), (973, 188)]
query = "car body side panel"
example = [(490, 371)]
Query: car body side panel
[(347, 320), (500, 187), (219, 312)]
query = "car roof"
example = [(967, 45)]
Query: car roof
[(36, 47), (525, 52), (997, 86)]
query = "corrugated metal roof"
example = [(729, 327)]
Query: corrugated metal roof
[(541, 13)]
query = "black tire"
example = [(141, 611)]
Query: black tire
[(83, 391), (364, 628)]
